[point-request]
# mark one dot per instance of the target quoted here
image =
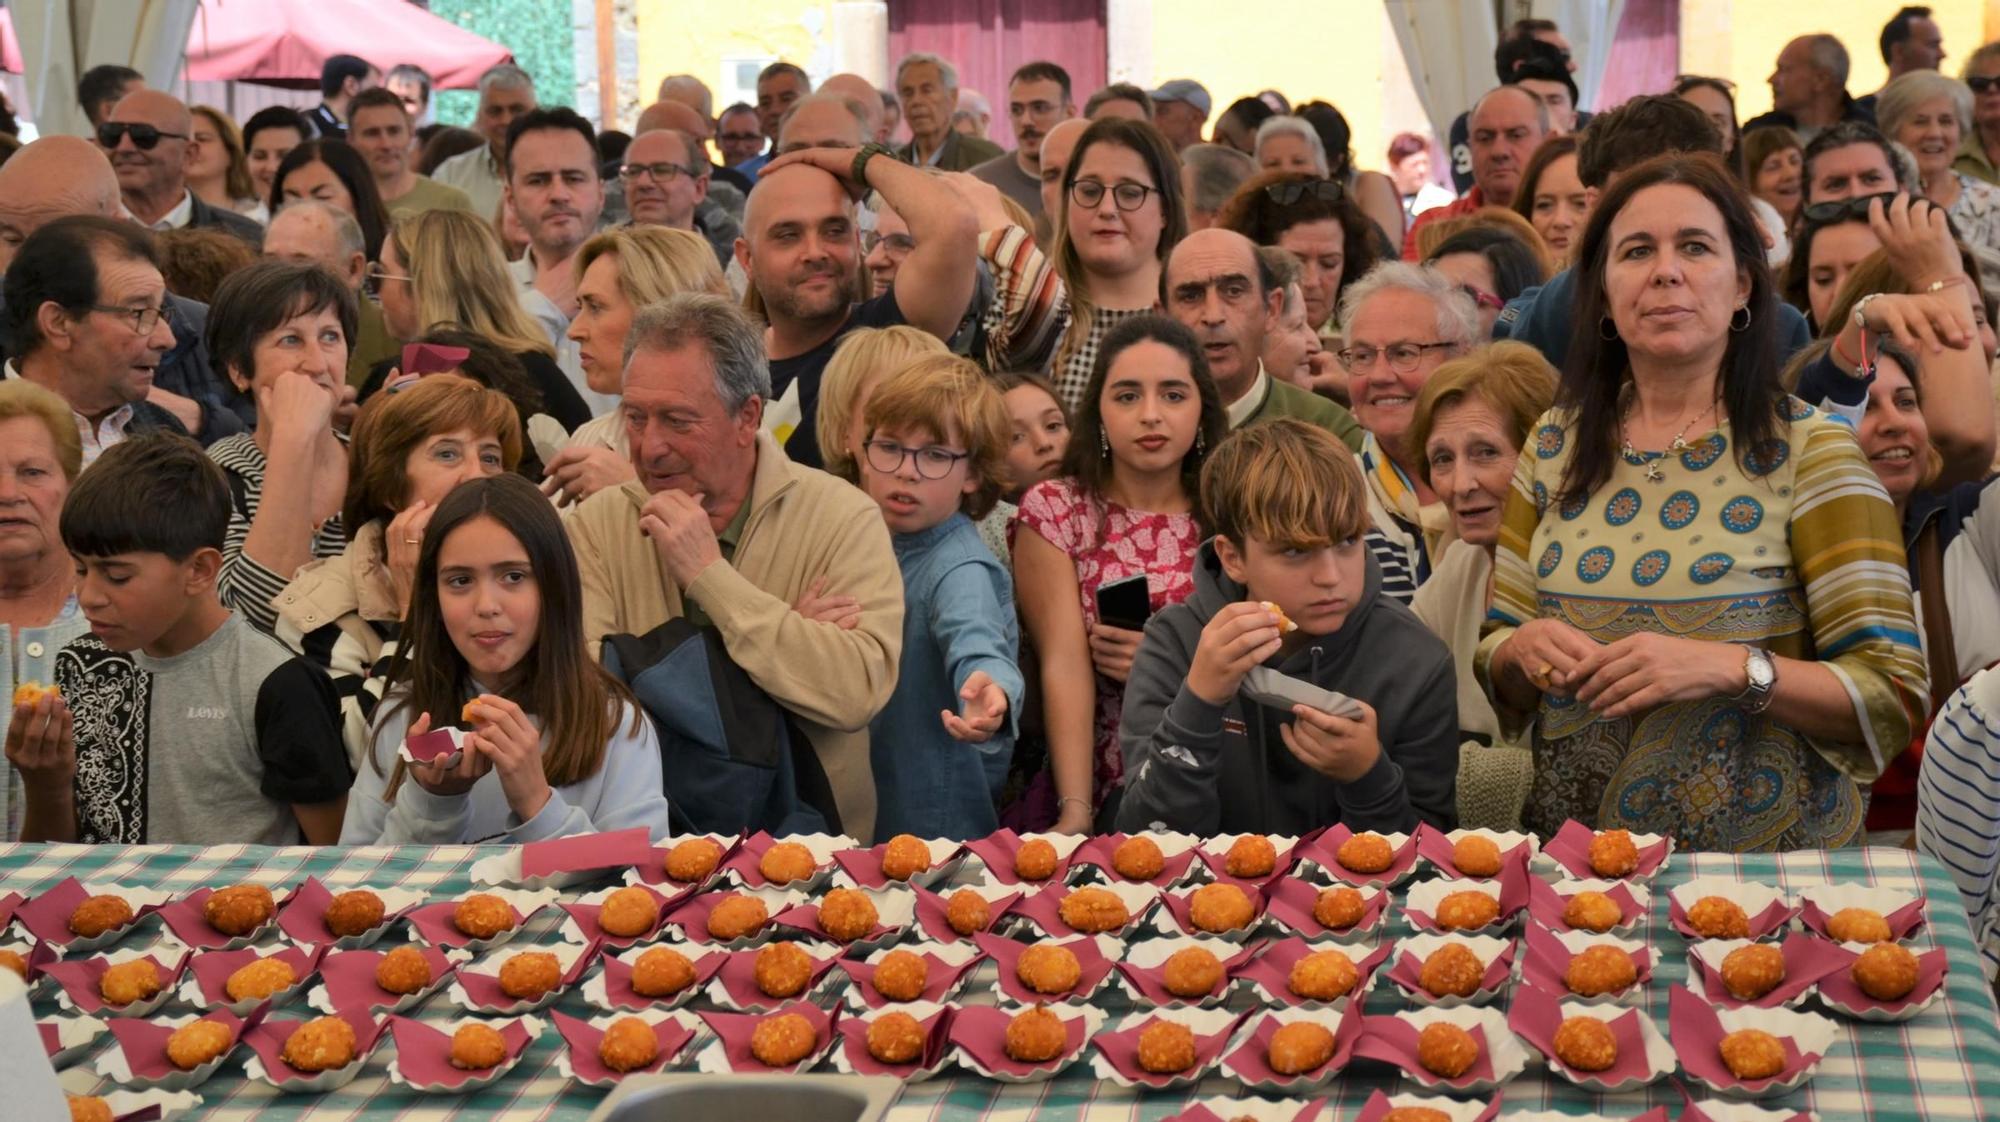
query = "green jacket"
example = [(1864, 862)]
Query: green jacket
[(1283, 399)]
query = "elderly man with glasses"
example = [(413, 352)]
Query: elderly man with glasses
[(666, 176)]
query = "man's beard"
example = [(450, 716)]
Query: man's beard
[(786, 302)]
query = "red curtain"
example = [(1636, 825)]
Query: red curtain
[(1643, 54), (988, 39)]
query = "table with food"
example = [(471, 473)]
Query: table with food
[(1436, 977)]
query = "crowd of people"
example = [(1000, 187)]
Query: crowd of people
[(763, 469)]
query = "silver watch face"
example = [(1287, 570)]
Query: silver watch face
[(1761, 673)]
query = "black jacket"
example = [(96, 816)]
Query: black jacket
[(209, 217)]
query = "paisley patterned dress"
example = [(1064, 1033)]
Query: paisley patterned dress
[(1794, 549)]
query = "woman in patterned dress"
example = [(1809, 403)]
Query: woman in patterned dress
[(1123, 506), (1699, 593)]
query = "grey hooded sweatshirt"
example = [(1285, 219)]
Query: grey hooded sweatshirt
[(1204, 769)]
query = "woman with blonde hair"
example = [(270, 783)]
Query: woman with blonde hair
[(218, 172), (443, 268), (619, 272)]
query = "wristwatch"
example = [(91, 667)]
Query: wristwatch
[(859, 171), (1762, 672)]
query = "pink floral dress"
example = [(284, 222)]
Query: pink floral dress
[(1162, 546)]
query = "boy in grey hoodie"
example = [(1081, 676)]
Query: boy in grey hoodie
[(1286, 583)]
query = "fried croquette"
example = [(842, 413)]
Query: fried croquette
[(1191, 972), (692, 860), (88, 1108), (1338, 909), (1586, 1044), (28, 693), (197, 1042), (1859, 925), (1251, 855), (904, 857), (1885, 972), (354, 913), (238, 910), (1285, 624), (1138, 858), (1592, 911), (1453, 970), (477, 1047), (1415, 1114), (895, 1038), (902, 975), (783, 1040), (1750, 972), (12, 960), (1035, 860), (260, 979), (1220, 907), (1717, 917), (1752, 1054), (1166, 1047), (483, 915), (1036, 1036), (967, 912), (98, 915), (1447, 1050), (404, 971), (629, 1044), (1613, 854), (1467, 911), (1327, 975), (529, 975), (1046, 968), (1598, 970), (321, 1044), (1366, 853), (737, 916), (1476, 855), (847, 914), (129, 982), (787, 863), (1299, 1047), (661, 972), (1094, 910), (629, 912), (782, 970)]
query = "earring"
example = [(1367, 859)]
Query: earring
[(1745, 325), (1103, 444), (1602, 333), (1200, 442)]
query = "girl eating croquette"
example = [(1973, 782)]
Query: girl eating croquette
[(553, 744)]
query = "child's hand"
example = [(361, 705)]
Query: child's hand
[(1340, 748), (985, 708), (447, 782), (1241, 636), (505, 736), (41, 743), (1112, 650)]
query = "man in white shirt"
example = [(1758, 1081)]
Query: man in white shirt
[(557, 195), (146, 138), (506, 92)]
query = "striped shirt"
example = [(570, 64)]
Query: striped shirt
[(1958, 804), (245, 585)]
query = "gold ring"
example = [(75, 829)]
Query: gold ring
[(412, 541), (1542, 673)]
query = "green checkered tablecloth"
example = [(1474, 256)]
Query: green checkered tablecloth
[(1943, 1065)]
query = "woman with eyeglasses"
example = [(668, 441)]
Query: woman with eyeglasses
[(1774, 163), (1316, 220), (1492, 265), (1979, 152), (1929, 113), (1698, 594), (1114, 532), (332, 172), (1551, 197)]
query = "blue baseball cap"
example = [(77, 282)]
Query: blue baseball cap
[(1185, 89)]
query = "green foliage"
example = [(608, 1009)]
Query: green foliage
[(539, 34)]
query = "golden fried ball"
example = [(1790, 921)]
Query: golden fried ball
[(1613, 854), (354, 913), (1859, 925), (98, 915), (88, 1108), (629, 1044), (1365, 853), (476, 1047), (1327, 975), (904, 857), (404, 970), (1445, 1049), (1476, 855), (1046, 968), (1885, 972), (1752, 1054), (1166, 1047), (1592, 911), (783, 970), (1251, 855), (260, 979), (1299, 1047), (786, 863), (783, 1040), (197, 1042), (967, 911), (321, 1044), (902, 975), (896, 1038), (238, 910), (1453, 970), (1717, 917), (1599, 970), (737, 916), (847, 914), (128, 982), (661, 972), (1036, 1036), (1338, 909), (1415, 1114), (1093, 910), (629, 912), (1138, 858), (1191, 972), (12, 960), (1586, 1044), (1035, 860), (1749, 973), (483, 915), (1220, 907), (1467, 911), (692, 860), (529, 975)]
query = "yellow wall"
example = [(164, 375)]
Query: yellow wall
[(1740, 39), (688, 37)]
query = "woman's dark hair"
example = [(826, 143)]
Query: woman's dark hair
[(1086, 461), (1164, 168), (257, 299), (1334, 133), (1597, 369), (1516, 267), (275, 117), (1548, 152), (1795, 284), (577, 702), (153, 492), (1732, 155), (341, 158), (1268, 204), (1756, 145), (1250, 111), (444, 142)]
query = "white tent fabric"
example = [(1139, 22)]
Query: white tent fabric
[(60, 39), (1590, 26), (1448, 46)]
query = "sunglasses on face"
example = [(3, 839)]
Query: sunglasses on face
[(144, 137), (1288, 193), (1983, 85)]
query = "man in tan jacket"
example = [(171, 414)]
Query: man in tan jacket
[(722, 528)]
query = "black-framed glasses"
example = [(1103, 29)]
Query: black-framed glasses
[(144, 137), (1125, 196), (740, 137), (1402, 357), (1291, 191), (143, 320), (933, 462), (662, 172), (376, 275), (1981, 84), (1845, 210), (898, 245)]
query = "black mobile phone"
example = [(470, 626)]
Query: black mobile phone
[(1125, 603)]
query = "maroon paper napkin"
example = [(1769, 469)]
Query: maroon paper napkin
[(1120, 1049), (212, 969), (587, 853), (586, 917), (1151, 981), (1513, 897), (1272, 969), (980, 1031), (998, 849), (1323, 849), (931, 908), (484, 992), (1807, 960), (1535, 1016), (853, 1034), (268, 1041), (1180, 904), (1903, 922), (1097, 853), (47, 916), (439, 745), (1378, 1105), (738, 976), (805, 918), (1251, 1064), (1393, 1040), (736, 1029), (618, 992), (1547, 906), (653, 870), (432, 358), (1697, 1038), (1546, 960), (302, 914), (433, 923), (1216, 857), (1570, 848), (1837, 985), (1407, 970), (582, 1039), (1290, 901), (940, 981), (9, 902), (1774, 916), (745, 861), (145, 1043), (185, 919), (1437, 847), (1043, 908), (80, 980), (691, 916), (349, 978), (1006, 955), (423, 1053), (864, 867)]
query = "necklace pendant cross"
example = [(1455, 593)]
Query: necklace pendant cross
[(1653, 473)]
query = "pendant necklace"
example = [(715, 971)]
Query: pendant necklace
[(1677, 445)]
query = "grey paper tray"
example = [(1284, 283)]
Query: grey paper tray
[(696, 1097)]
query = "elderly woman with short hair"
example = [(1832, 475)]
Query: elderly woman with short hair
[(1930, 114), (1289, 144)]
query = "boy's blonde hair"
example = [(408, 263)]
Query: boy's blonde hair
[(949, 396), (1285, 483), (864, 355)]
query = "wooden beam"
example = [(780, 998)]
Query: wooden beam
[(607, 65)]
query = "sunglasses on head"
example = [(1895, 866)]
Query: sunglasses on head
[(144, 137), (1290, 192), (1845, 210)]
